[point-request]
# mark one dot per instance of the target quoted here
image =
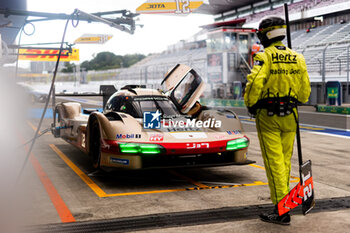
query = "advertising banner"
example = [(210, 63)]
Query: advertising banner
[(48, 54), (168, 7), (93, 39)]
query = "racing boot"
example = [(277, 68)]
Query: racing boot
[(275, 218)]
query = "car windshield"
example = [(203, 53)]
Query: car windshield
[(154, 103), (137, 105), (184, 90)]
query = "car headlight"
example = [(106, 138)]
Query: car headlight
[(137, 148), (237, 144)]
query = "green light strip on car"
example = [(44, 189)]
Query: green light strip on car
[(149, 149), (131, 148), (237, 144), (135, 148)]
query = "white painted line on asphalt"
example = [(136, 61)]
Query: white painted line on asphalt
[(306, 128), (328, 134), (324, 113), (317, 126)]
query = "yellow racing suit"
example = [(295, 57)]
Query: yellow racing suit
[(277, 72)]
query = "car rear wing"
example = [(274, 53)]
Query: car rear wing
[(107, 91)]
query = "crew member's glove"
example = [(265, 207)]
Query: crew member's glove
[(252, 110)]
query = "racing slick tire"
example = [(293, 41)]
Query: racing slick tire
[(95, 145)]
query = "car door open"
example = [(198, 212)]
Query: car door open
[(183, 86)]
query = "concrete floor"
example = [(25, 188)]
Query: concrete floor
[(330, 157)]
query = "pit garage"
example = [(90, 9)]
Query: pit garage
[(64, 187)]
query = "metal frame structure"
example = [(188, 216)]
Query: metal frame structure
[(124, 23)]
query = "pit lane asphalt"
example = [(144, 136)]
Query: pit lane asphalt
[(141, 193)]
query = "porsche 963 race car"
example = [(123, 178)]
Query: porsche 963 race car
[(146, 128)]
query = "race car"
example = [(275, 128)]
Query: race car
[(143, 128), (35, 96)]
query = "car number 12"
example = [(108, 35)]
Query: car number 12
[(83, 140), (185, 6)]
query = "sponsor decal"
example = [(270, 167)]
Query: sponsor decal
[(332, 92), (156, 137), (197, 145), (37, 54), (93, 39), (119, 161), (188, 135), (151, 120), (233, 132), (283, 58), (155, 6), (284, 71), (219, 137), (258, 63), (127, 136), (169, 6)]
